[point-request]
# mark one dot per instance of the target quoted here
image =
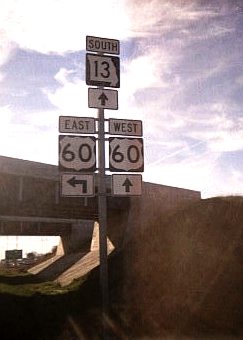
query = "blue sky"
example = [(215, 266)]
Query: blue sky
[(181, 74)]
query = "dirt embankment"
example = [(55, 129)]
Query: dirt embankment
[(183, 274)]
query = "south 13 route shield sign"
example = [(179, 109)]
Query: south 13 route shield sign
[(77, 153), (102, 70), (126, 154)]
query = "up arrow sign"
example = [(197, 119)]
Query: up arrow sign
[(127, 184), (103, 98)]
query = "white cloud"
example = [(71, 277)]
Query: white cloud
[(71, 98), (216, 126), (6, 47), (201, 172), (156, 16), (34, 139), (61, 25), (193, 173)]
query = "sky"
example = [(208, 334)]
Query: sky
[(181, 74)]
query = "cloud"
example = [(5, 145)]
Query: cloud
[(152, 17), (35, 138), (6, 47), (193, 172), (71, 98), (60, 26)]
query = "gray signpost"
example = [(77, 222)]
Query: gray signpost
[(102, 71)]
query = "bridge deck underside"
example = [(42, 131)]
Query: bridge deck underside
[(9, 228)]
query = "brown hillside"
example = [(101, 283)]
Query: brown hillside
[(183, 274)]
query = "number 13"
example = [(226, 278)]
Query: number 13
[(104, 69)]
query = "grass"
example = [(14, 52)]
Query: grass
[(30, 309), (22, 283)]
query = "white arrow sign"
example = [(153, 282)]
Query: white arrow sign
[(127, 185), (77, 185), (102, 70), (103, 99)]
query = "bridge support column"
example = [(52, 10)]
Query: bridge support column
[(79, 239)]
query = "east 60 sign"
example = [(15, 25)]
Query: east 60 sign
[(77, 153), (126, 154)]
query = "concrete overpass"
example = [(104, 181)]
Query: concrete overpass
[(30, 204)]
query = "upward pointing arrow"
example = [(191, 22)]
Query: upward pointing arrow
[(127, 184), (103, 98)]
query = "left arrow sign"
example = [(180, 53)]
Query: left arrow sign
[(77, 185), (73, 182)]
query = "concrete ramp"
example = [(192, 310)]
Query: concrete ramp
[(80, 268), (41, 266), (88, 262), (66, 268), (50, 270)]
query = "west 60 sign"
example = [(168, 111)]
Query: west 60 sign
[(126, 154)]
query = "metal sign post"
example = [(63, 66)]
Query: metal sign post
[(102, 210), (102, 71)]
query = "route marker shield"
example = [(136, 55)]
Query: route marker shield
[(126, 154), (77, 153), (102, 70)]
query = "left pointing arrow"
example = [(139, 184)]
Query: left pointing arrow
[(73, 182)]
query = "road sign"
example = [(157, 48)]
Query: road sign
[(14, 254), (126, 154), (102, 45), (103, 99), (127, 185), (77, 153), (73, 185), (69, 124), (102, 70), (125, 127)]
